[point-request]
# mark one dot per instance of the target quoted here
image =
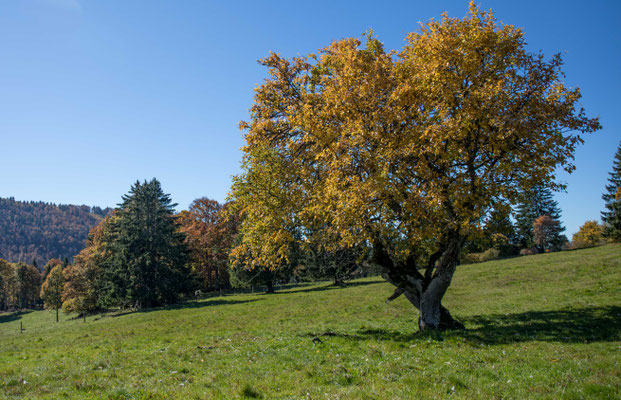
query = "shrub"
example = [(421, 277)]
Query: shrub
[(529, 251), (487, 255), (589, 235)]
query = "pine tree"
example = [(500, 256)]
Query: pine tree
[(536, 203), (147, 265), (612, 216)]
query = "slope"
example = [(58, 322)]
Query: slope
[(544, 326)]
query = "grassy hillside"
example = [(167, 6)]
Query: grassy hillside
[(544, 326)]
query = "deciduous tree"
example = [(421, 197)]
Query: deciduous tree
[(534, 203), (589, 235), (82, 291), (27, 285), (404, 151), (546, 231), (52, 289), (210, 231)]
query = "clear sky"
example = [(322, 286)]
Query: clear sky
[(97, 94)]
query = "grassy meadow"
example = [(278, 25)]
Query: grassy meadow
[(543, 326)]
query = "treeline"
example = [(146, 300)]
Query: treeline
[(143, 254), (34, 232), (536, 225)]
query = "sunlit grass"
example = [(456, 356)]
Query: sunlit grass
[(544, 326)]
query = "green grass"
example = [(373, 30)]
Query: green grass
[(544, 326)]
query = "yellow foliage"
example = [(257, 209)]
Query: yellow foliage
[(408, 147)]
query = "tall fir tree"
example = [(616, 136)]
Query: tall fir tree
[(612, 216), (147, 262), (535, 203)]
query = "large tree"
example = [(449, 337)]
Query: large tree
[(612, 216), (404, 151), (146, 256)]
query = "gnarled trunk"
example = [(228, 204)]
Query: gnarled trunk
[(425, 292)]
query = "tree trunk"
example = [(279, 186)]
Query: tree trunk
[(270, 286), (57, 315), (424, 292)]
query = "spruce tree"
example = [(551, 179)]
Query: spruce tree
[(612, 216), (147, 257), (535, 203)]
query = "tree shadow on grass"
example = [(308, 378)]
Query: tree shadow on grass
[(180, 306), (583, 325), (579, 325), (12, 316), (329, 286)]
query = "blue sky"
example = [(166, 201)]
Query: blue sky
[(97, 94)]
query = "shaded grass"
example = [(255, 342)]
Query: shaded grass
[(544, 326)]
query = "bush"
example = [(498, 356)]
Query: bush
[(529, 251), (487, 255), (589, 235)]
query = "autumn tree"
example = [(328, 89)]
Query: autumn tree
[(7, 284), (612, 197), (589, 235), (82, 291), (546, 231), (245, 272), (146, 262), (27, 285), (49, 266), (210, 231), (406, 151), (52, 289), (534, 203)]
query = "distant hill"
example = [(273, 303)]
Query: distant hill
[(40, 231)]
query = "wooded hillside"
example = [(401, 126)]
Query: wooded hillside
[(37, 231)]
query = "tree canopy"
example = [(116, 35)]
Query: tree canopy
[(404, 151)]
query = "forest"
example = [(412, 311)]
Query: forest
[(35, 232)]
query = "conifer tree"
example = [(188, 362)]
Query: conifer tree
[(147, 265), (612, 216), (535, 203)]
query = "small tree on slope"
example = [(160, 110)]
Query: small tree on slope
[(536, 202), (52, 289)]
